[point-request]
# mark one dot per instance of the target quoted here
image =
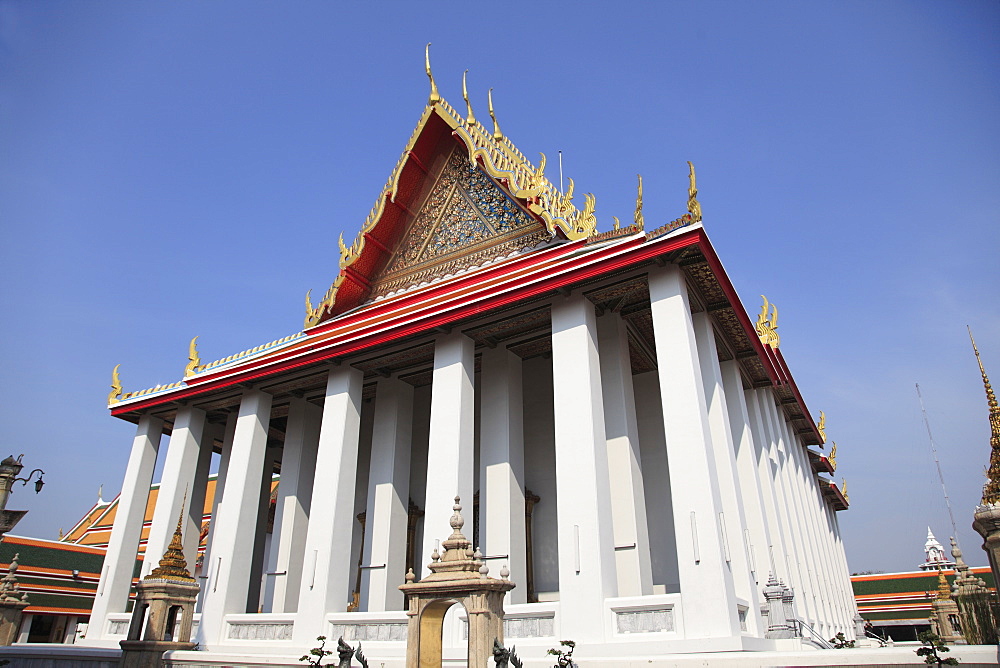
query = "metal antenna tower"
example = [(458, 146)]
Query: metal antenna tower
[(944, 490)]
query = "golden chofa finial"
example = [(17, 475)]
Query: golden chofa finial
[(767, 329), (832, 457), (193, 359), (821, 426), (991, 490), (496, 126), (435, 96), (471, 118), (843, 490), (116, 387), (694, 208), (618, 223), (639, 221)]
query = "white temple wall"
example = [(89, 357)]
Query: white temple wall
[(539, 473), (656, 484)]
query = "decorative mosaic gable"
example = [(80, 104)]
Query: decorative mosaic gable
[(465, 221)]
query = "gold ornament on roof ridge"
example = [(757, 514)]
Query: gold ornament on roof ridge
[(193, 359), (832, 457), (694, 208), (471, 117), (435, 97), (991, 490), (821, 426), (767, 328), (640, 222), (618, 223), (843, 490), (496, 126), (116, 387)]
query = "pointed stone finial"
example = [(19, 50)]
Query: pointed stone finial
[(991, 490), (484, 570), (637, 216), (410, 577), (456, 521), (956, 553), (471, 117), (504, 572), (435, 555), (435, 97), (116, 387), (496, 126), (193, 359)]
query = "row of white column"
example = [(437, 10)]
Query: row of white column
[(742, 494)]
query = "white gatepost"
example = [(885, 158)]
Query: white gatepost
[(384, 561), (451, 444), (501, 455), (298, 465), (583, 497), (708, 595), (326, 574), (628, 502), (119, 561), (176, 480), (228, 584), (733, 521)]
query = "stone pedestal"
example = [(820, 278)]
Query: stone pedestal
[(11, 613), (986, 522)]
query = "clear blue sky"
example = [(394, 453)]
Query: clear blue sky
[(173, 169)]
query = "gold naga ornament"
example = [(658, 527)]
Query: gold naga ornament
[(843, 490), (832, 457), (435, 97), (116, 387), (991, 490), (496, 126), (640, 222), (767, 327), (194, 361), (694, 208), (821, 426)]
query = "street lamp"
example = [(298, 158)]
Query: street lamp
[(9, 470)]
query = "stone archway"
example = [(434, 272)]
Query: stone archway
[(457, 576)]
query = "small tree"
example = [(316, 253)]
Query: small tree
[(932, 645), (840, 641), (317, 654), (564, 658)]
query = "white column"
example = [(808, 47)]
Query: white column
[(708, 595), (228, 582), (583, 498), (501, 455), (229, 432), (451, 446), (757, 533), (384, 567), (326, 576), (179, 468), (119, 562), (196, 498), (776, 561), (260, 557), (628, 503), (733, 520), (298, 464)]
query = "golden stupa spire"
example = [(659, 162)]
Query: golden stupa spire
[(991, 490), (435, 96), (944, 591), (173, 566)]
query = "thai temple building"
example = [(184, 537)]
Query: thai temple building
[(628, 445)]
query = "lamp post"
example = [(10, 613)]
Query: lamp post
[(9, 470)]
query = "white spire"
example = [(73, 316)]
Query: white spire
[(934, 554)]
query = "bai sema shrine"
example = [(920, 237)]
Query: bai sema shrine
[(630, 448)]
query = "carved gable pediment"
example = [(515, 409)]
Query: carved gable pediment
[(465, 220)]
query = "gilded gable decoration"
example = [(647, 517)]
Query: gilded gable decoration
[(497, 157)]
